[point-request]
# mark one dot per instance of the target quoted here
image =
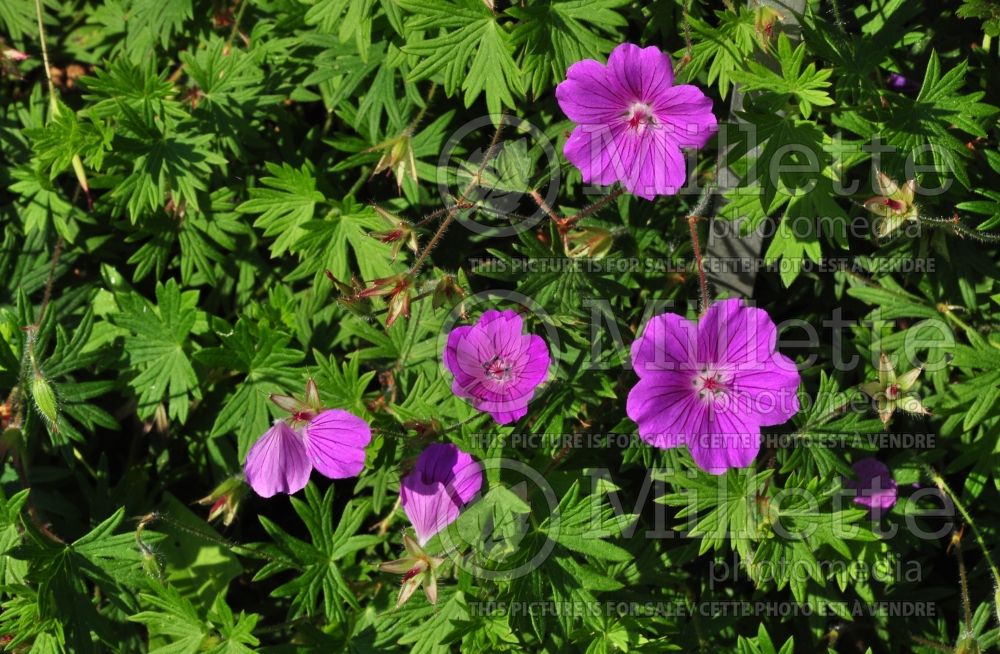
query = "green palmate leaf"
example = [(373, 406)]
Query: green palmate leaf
[(723, 49), (555, 35), (65, 572), (158, 348), (472, 48), (18, 18), (329, 16), (226, 87), (341, 383), (987, 11), (175, 626), (139, 87), (807, 86), (168, 169), (762, 644), (719, 509), (153, 22), (195, 560), (582, 524), (172, 619), (285, 202), (265, 359), (925, 128), (328, 244), (65, 137), (432, 635), (800, 529), (41, 204), (319, 561)]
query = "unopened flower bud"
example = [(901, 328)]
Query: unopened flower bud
[(350, 296), (765, 18), (14, 55), (45, 400)]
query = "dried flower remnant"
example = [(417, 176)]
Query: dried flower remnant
[(891, 392), (893, 205)]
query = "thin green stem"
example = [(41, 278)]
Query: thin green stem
[(45, 54), (950, 315), (236, 24), (944, 488), (411, 128), (963, 581)]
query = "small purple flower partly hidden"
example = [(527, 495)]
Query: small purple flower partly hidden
[(632, 121), (712, 385), (495, 365), (876, 489), (444, 480), (900, 83), (333, 442)]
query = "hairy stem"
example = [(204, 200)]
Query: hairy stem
[(702, 281), (462, 200), (944, 488)]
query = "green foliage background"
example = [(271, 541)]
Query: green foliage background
[(230, 151)]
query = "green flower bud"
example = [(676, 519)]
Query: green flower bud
[(45, 400)]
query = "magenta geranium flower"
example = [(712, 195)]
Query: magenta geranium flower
[(876, 489), (495, 365), (333, 442), (444, 480), (712, 385), (632, 121)]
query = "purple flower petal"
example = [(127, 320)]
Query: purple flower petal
[(643, 72), (336, 441), (900, 83), (443, 481), (876, 489), (728, 439), (667, 413), (495, 365), (588, 95), (632, 121), (686, 114), (667, 343), (277, 462), (712, 386)]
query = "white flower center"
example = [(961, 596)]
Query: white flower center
[(498, 369), (639, 115)]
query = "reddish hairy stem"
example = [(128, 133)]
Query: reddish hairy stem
[(597, 206), (702, 282), (460, 203)]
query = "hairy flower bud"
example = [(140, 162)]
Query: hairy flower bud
[(45, 400)]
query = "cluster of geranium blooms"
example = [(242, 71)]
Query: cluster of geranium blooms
[(709, 385)]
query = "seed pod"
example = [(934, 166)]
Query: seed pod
[(45, 400)]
